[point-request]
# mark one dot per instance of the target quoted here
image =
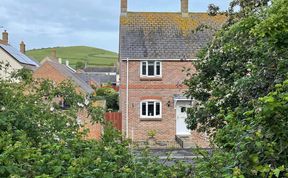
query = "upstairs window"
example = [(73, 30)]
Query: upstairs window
[(150, 109), (151, 69)]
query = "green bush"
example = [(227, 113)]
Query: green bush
[(255, 146), (242, 92), (111, 97), (244, 62), (80, 65), (37, 140)]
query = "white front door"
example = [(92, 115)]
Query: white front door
[(181, 126)]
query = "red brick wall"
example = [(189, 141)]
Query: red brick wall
[(46, 71), (163, 90), (95, 130)]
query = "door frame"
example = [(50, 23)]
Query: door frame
[(182, 103)]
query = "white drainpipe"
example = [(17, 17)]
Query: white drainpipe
[(127, 97)]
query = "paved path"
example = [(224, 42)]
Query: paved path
[(170, 156)]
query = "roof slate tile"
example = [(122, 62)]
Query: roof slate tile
[(165, 35)]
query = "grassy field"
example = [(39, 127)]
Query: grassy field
[(93, 56)]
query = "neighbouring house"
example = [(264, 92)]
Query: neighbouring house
[(155, 47), (52, 69), (101, 70), (13, 58), (98, 80), (100, 76)]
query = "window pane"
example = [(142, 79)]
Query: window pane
[(144, 67), (157, 109), (158, 66), (183, 109), (143, 109), (150, 68), (150, 108)]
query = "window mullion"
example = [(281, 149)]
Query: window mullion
[(146, 63), (159, 68), (147, 114), (141, 68), (155, 70), (160, 109), (141, 108), (154, 108)]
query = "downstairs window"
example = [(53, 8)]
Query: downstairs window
[(150, 109)]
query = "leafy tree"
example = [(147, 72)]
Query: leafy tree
[(241, 90), (80, 65), (39, 140), (111, 97), (245, 61), (253, 146)]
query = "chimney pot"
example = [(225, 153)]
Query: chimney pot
[(67, 63), (123, 7), (5, 37), (184, 8), (60, 60), (53, 54), (22, 47)]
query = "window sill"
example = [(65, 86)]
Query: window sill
[(145, 78), (150, 119)]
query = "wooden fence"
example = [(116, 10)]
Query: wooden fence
[(115, 118)]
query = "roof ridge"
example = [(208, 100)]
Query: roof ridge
[(66, 71), (152, 12)]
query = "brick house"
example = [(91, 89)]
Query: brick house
[(14, 58), (154, 49), (100, 76), (51, 68)]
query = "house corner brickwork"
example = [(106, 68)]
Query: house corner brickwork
[(163, 90)]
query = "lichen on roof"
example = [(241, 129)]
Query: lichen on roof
[(150, 35), (153, 21)]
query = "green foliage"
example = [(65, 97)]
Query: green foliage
[(239, 9), (79, 65), (39, 140), (241, 91), (105, 91), (256, 145), (245, 61), (151, 133), (23, 74), (93, 56), (111, 97)]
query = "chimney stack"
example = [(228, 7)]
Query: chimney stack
[(60, 60), (22, 47), (67, 63), (184, 8), (53, 53), (5, 37), (123, 7)]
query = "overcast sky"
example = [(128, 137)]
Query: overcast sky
[(49, 23)]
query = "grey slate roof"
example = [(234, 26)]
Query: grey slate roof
[(97, 78), (72, 76), (102, 69), (150, 35), (20, 57)]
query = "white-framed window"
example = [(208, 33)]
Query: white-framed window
[(151, 109), (151, 69)]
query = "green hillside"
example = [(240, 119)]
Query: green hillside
[(93, 56)]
